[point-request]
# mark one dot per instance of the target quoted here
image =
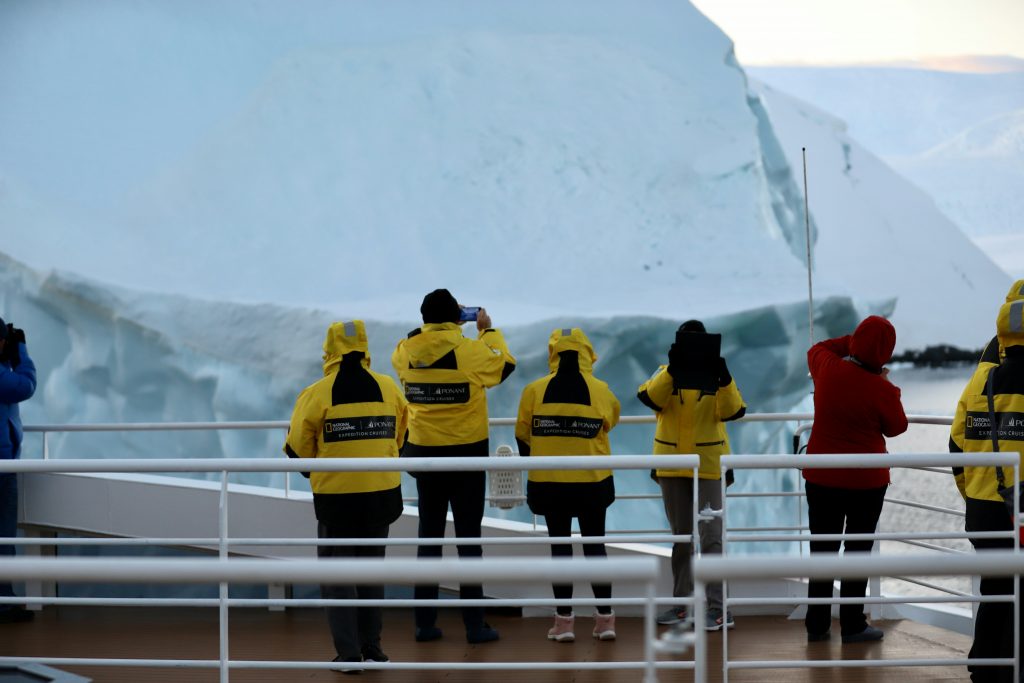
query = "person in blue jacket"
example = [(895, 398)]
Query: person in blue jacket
[(17, 384)]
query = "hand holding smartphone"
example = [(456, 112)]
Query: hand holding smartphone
[(468, 314)]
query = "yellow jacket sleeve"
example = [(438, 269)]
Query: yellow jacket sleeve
[(658, 389), (303, 431), (497, 362), (729, 401), (524, 417)]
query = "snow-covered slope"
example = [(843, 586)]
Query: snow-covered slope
[(956, 135), (879, 233), (533, 159)]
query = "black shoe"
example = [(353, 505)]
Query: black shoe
[(818, 637), (373, 653), (481, 634), (869, 635), (16, 615), (348, 665), (425, 634)]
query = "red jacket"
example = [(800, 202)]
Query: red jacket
[(855, 406)]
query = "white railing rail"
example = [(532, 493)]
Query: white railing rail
[(223, 543), (708, 569), (347, 571), (832, 567)]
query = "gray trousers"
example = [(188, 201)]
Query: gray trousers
[(677, 494), (353, 627)]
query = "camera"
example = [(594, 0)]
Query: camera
[(468, 314)]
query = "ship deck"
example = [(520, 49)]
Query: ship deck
[(301, 634)]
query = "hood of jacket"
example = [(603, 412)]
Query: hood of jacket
[(1010, 324), (433, 342), (344, 338), (1016, 292), (571, 339), (872, 342)]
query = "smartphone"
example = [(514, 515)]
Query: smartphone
[(468, 313)]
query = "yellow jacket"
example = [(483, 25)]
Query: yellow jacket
[(971, 431), (352, 412), (691, 421), (445, 376), (568, 412)]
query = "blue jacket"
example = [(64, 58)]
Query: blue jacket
[(16, 385)]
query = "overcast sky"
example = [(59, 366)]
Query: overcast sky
[(858, 31)]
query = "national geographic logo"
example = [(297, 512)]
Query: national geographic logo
[(427, 393), (1009, 426), (558, 425), (358, 428)]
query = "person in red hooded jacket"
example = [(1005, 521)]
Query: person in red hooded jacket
[(855, 408)]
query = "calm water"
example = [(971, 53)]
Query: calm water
[(929, 391)]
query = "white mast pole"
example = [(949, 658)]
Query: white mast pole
[(807, 229)]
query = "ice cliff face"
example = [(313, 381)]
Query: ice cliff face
[(107, 354)]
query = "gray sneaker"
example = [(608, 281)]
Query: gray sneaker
[(671, 616), (714, 621)]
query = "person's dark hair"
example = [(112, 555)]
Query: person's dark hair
[(440, 307), (692, 326)]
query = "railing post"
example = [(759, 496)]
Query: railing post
[(650, 671), (725, 588), (46, 446), (222, 553), (1016, 578), (700, 655), (875, 584)]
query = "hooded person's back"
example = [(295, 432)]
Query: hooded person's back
[(568, 412), (855, 405)]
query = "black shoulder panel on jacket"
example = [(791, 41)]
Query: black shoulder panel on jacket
[(739, 413), (446, 362), (414, 333), (507, 370), (991, 352), (567, 387), (353, 384), (1009, 377), (646, 400)]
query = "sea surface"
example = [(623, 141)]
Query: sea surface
[(926, 391)]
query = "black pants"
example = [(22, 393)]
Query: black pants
[(352, 628), (836, 511), (464, 491), (591, 524), (993, 625)]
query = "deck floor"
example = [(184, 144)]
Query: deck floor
[(301, 634)]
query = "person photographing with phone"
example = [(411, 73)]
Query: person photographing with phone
[(17, 384), (694, 396), (445, 376)]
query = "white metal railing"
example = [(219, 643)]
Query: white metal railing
[(419, 571), (925, 462), (335, 570), (849, 565), (708, 569)]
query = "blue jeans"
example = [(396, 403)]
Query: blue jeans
[(8, 522)]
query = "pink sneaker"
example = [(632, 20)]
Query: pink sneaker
[(604, 626), (561, 632)]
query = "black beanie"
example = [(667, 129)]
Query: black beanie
[(440, 307), (692, 326)]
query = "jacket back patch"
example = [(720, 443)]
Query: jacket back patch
[(358, 428), (435, 393), (561, 425)]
